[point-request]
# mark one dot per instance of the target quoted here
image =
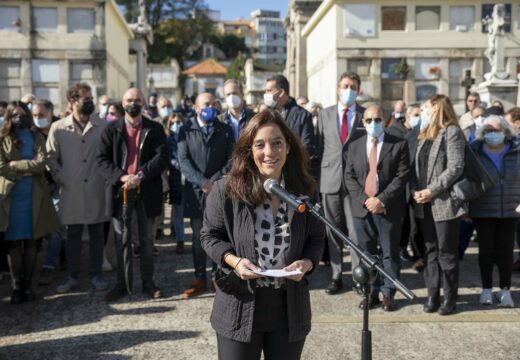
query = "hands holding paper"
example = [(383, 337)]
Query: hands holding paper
[(303, 265)]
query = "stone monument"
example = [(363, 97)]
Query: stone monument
[(143, 35), (497, 84)]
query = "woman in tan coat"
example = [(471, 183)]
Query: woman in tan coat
[(26, 211)]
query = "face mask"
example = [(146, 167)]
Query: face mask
[(348, 96), (103, 109), (269, 100), (414, 121), (494, 138), (41, 123), (398, 115), (165, 112), (1, 121), (233, 101), (134, 110), (29, 106), (208, 114), (20, 122), (374, 129), (175, 127), (110, 118), (478, 121), (425, 120), (87, 107)]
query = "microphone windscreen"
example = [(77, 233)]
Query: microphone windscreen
[(268, 184)]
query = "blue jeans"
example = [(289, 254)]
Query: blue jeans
[(55, 238), (199, 255), (177, 221)]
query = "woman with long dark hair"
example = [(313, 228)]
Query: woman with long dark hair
[(26, 210), (246, 230), (439, 162)]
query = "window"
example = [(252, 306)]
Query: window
[(424, 91), (388, 69), (427, 17), (10, 93), (45, 71), (51, 93), (427, 69), (9, 69), (457, 74), (275, 35), (393, 17), (487, 11), (45, 19), (360, 20), (393, 90), (462, 18), (262, 36), (80, 72), (80, 20), (9, 18), (359, 66)]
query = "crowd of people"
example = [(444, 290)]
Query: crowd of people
[(390, 183)]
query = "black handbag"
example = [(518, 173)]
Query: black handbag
[(475, 180), (230, 283)]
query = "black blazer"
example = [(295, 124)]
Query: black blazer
[(300, 122), (153, 160), (229, 226), (202, 158), (393, 169)]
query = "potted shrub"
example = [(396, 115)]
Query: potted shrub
[(402, 69)]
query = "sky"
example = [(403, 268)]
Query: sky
[(235, 9)]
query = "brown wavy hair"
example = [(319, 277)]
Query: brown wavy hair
[(442, 115), (244, 182), (8, 129)]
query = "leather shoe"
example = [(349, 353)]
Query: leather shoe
[(153, 291), (17, 296), (116, 293), (373, 301), (180, 248), (447, 308), (388, 303), (334, 287), (197, 287), (432, 304)]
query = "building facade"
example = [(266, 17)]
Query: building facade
[(206, 76), (404, 49), (163, 79), (270, 46), (47, 46), (298, 14), (244, 28)]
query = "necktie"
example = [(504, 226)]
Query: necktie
[(371, 180), (344, 126)]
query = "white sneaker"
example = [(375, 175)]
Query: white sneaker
[(504, 298), (107, 266), (486, 297)]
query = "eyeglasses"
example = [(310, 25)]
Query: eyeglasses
[(377, 120)]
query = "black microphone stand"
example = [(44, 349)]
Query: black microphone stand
[(364, 274)]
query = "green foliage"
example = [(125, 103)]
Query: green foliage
[(230, 44), (236, 69)]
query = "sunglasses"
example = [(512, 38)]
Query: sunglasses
[(377, 120)]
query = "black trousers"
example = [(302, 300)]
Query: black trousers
[(441, 241), (496, 242), (411, 233), (270, 332)]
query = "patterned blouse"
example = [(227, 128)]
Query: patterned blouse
[(272, 238)]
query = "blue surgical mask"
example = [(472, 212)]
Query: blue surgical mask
[(425, 120), (29, 106), (208, 114), (348, 96), (374, 129), (41, 123), (175, 127), (165, 112), (414, 121), (1, 121), (494, 138)]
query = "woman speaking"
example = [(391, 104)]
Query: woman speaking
[(247, 230)]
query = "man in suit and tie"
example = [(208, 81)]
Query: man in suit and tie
[(337, 125), (376, 172)]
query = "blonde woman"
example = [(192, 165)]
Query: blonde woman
[(439, 163)]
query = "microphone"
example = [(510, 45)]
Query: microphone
[(272, 187)]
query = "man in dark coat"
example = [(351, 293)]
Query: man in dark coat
[(132, 155), (204, 150)]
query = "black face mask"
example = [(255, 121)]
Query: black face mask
[(20, 122), (133, 110), (87, 107)]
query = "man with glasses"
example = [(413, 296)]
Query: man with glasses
[(466, 120), (376, 172)]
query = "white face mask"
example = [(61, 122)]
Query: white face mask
[(414, 121), (103, 110), (478, 122), (269, 100), (425, 119), (233, 101), (348, 96), (41, 123), (1, 121)]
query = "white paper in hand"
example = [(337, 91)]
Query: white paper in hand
[(278, 273)]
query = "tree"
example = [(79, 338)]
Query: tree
[(236, 69), (230, 44)]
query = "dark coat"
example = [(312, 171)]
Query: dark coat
[(202, 158), (229, 226), (174, 175), (501, 200), (393, 168), (300, 122), (247, 114), (153, 160)]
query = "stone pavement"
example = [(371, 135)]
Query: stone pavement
[(80, 325)]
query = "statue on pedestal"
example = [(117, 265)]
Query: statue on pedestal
[(142, 13), (495, 50)]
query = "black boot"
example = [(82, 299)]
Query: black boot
[(433, 301), (17, 293), (28, 294)]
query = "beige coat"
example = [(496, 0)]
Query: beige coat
[(45, 220), (72, 163)]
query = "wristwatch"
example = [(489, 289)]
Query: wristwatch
[(140, 176)]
